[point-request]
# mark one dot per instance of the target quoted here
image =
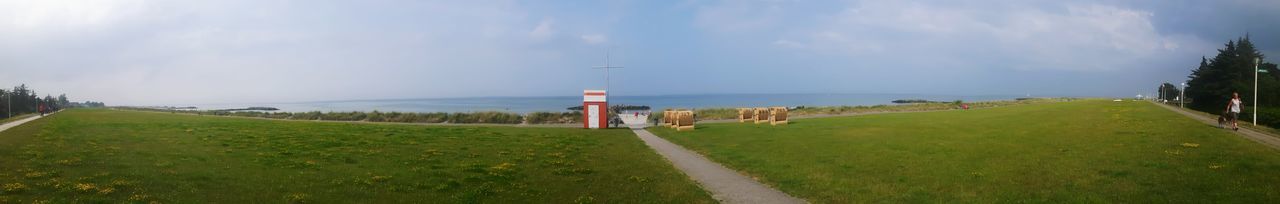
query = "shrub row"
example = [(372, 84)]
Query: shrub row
[(491, 117), (553, 118)]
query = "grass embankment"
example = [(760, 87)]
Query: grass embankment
[(98, 155), (801, 111), (1088, 151)]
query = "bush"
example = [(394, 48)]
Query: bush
[(1269, 117), (374, 116), (344, 116), (313, 115), (554, 118), (279, 115), (486, 117)]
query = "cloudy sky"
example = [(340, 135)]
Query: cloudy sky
[(135, 52)]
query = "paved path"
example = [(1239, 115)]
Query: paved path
[(1260, 137), (725, 185), (15, 123)]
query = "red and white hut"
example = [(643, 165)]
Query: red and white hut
[(595, 109)]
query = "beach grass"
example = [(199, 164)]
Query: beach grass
[(1092, 151), (110, 156), (803, 111)]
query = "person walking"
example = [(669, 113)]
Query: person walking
[(1233, 110), (41, 109)]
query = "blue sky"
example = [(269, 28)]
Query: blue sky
[(181, 52)]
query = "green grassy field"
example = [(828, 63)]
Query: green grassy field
[(1086, 151), (97, 155)]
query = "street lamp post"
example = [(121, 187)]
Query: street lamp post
[(1256, 61), (1182, 96), (1165, 94)]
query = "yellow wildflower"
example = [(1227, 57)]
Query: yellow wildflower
[(297, 198), (85, 186), (138, 197), (107, 190), (504, 166), (380, 178), (35, 174), (14, 187)]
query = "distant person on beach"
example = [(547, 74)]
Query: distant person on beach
[(1233, 110)]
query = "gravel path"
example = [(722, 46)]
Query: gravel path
[(725, 185), (16, 123), (1260, 137)]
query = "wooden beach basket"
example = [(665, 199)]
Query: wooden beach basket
[(667, 120), (778, 115), (746, 114), (684, 120), (675, 118), (761, 115)]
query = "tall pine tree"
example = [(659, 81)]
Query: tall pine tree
[(1231, 71)]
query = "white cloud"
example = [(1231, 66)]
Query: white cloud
[(788, 44), (124, 52), (1085, 37), (594, 38), (543, 31), (735, 16), (63, 14)]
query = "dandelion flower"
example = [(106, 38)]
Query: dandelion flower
[(35, 174), (106, 191), (138, 197), (14, 187), (85, 186), (297, 198)]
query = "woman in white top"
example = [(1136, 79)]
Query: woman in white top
[(1233, 110)]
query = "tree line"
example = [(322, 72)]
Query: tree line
[(1232, 71), (1169, 92), (22, 100)]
